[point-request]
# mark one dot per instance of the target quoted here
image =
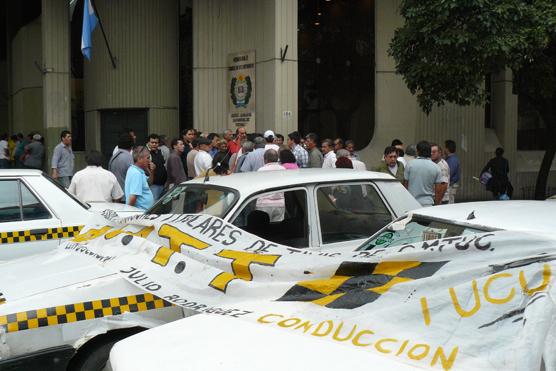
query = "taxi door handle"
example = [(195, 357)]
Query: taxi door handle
[(36, 232)]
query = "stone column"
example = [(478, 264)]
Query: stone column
[(504, 114), (56, 71)]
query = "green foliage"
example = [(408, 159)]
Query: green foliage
[(446, 47)]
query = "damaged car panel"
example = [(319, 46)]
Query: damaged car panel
[(457, 221)]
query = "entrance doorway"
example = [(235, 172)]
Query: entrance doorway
[(336, 69), (117, 121)]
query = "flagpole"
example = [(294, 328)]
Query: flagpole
[(112, 59)]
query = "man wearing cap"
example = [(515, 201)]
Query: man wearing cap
[(269, 137), (34, 153), (62, 160), (203, 160)]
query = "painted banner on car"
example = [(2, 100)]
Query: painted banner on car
[(482, 301)]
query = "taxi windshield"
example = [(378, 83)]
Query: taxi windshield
[(196, 199), (416, 229)]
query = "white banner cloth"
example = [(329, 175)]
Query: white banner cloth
[(471, 302)]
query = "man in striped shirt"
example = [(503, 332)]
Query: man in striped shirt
[(301, 155)]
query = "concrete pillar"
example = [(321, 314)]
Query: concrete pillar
[(395, 107), (504, 114), (286, 79), (56, 71)]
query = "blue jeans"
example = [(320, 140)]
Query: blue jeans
[(157, 191), (4, 164)]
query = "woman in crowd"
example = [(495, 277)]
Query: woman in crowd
[(287, 159)]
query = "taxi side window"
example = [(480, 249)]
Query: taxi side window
[(350, 211), (279, 217), (17, 203), (10, 209), (32, 208)]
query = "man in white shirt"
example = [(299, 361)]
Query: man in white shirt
[(203, 160), (272, 204), (95, 184), (357, 165), (327, 148), (398, 144), (4, 152), (436, 157)]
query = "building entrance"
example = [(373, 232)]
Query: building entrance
[(115, 122), (336, 69)]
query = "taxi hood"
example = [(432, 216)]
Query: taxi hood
[(210, 342), (36, 274)]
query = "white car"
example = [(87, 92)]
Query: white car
[(319, 208), (211, 342), (248, 346), (71, 310), (37, 214), (462, 219)]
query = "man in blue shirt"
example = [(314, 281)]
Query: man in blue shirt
[(453, 162), (255, 159), (137, 191), (62, 160), (214, 138), (423, 178)]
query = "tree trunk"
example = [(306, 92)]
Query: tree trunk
[(544, 171), (549, 118)]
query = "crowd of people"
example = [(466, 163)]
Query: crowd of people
[(139, 174), (145, 172), (19, 151)]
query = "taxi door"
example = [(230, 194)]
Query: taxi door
[(27, 226)]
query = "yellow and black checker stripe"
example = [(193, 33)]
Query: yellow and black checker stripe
[(39, 234), (80, 312), (358, 283)]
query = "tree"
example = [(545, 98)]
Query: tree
[(445, 49)]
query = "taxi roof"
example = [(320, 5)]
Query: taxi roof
[(256, 181), (509, 215), (20, 172)]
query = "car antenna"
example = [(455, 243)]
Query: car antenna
[(218, 164), (207, 176), (471, 216)]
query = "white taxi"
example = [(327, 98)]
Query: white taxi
[(37, 214), (320, 208), (70, 310)]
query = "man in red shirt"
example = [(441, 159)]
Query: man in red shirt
[(235, 145)]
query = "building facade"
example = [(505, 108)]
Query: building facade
[(320, 66)]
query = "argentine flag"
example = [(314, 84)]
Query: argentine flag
[(90, 21)]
